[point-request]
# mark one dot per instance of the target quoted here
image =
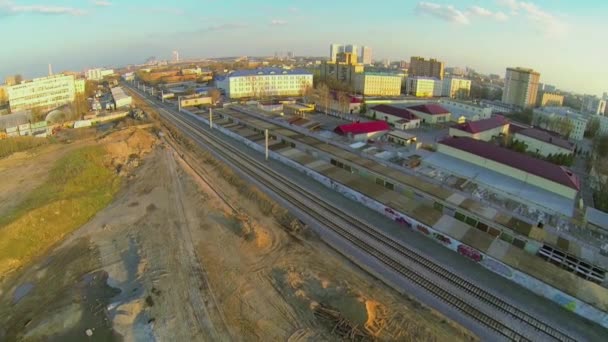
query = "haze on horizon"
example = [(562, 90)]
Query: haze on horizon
[(563, 40)]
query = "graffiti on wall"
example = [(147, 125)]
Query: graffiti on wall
[(497, 267), (469, 252), (397, 217), (567, 303), (424, 230), (442, 239)]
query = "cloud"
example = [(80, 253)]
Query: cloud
[(224, 27), (486, 13), (444, 12), (545, 21), (10, 8), (160, 10), (294, 9), (102, 3), (278, 22)]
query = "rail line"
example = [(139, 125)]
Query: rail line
[(268, 177)]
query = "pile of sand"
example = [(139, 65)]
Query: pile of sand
[(126, 147)]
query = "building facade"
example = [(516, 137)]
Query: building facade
[(377, 84), (265, 82), (431, 113), (98, 74), (577, 119), (334, 50), (593, 105), (485, 129), (79, 86), (398, 117), (427, 68), (466, 111), (543, 143), (44, 92), (366, 55), (521, 87), (121, 99), (546, 99), (420, 86), (455, 87)]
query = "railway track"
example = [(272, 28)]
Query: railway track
[(294, 194)]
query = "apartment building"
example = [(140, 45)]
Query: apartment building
[(377, 84), (366, 55), (521, 87), (546, 99), (420, 86), (44, 92), (427, 68)]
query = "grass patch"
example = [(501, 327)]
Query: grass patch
[(17, 144), (79, 185)]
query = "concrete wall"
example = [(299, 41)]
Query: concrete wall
[(569, 302), (509, 171)]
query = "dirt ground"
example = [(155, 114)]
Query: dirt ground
[(169, 260)]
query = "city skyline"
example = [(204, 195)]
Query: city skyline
[(488, 36)]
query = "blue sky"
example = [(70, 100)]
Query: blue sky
[(563, 39)]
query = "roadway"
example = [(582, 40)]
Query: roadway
[(554, 315)]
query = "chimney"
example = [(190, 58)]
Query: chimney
[(50, 70)]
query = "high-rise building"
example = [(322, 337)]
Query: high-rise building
[(366, 55), (334, 50), (44, 92), (521, 87), (352, 49), (426, 68)]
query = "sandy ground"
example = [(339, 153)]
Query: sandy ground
[(169, 260)]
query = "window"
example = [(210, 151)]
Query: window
[(460, 216), (380, 181)]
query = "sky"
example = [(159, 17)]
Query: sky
[(565, 40)]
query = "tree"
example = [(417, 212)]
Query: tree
[(524, 116), (601, 146), (363, 108), (307, 91), (343, 101), (322, 96), (215, 95), (593, 128)]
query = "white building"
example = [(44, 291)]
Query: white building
[(421, 86), (265, 82), (334, 50), (485, 129), (44, 92), (543, 143), (456, 87), (398, 117), (121, 99), (578, 120), (593, 105), (466, 111), (98, 74), (366, 55)]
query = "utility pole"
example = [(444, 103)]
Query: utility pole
[(266, 144), (179, 103), (162, 96), (210, 118)]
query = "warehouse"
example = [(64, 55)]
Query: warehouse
[(400, 118), (543, 142), (431, 113), (121, 99), (362, 131), (481, 130), (536, 172)]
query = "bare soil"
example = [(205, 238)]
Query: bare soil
[(170, 260)]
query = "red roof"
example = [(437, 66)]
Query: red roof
[(396, 111), (362, 127), (431, 109), (482, 125), (523, 162), (547, 137)]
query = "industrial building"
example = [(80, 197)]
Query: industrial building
[(265, 82), (121, 99), (45, 92), (536, 172), (400, 118), (543, 142), (485, 129)]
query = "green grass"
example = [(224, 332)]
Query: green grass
[(79, 185), (17, 144)]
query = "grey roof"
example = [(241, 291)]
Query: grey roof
[(268, 71), (15, 119), (597, 217)]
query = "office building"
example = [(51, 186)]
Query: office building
[(423, 86), (521, 87), (44, 92), (427, 68), (377, 84), (456, 88), (98, 74), (265, 82), (351, 48), (366, 55), (593, 105), (546, 99)]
